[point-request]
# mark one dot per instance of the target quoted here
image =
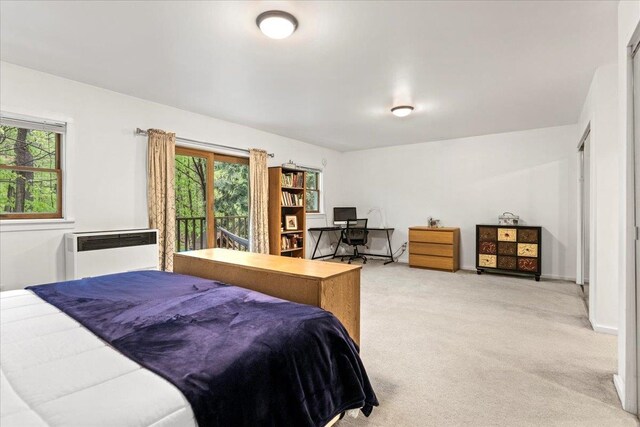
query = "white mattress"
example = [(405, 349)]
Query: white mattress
[(54, 372)]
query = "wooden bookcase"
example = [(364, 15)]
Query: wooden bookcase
[(285, 242)]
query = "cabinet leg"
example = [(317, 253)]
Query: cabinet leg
[(537, 278), (479, 271)]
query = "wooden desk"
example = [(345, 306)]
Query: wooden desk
[(331, 286)]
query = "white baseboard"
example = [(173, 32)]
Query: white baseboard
[(604, 329), (619, 383)]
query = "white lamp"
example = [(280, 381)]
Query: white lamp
[(277, 24), (402, 110)]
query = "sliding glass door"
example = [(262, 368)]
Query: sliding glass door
[(212, 200), (231, 201)]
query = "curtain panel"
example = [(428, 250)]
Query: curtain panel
[(161, 150), (259, 202)]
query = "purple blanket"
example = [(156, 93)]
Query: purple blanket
[(241, 358)]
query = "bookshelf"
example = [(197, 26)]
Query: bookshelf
[(287, 199)]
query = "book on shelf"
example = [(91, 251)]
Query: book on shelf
[(291, 199), (293, 241), (293, 179)]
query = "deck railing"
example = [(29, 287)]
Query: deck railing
[(232, 232)]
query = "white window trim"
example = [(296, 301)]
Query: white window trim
[(320, 189), (67, 221)]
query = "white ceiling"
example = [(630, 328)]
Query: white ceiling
[(470, 68)]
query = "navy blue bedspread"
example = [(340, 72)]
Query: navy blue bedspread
[(241, 358)]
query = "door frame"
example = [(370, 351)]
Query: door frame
[(211, 157), (626, 380), (582, 228)]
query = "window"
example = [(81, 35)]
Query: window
[(313, 191), (30, 169)]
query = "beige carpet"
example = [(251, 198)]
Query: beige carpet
[(446, 349)]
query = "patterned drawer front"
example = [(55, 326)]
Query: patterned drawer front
[(487, 234), (489, 248), (487, 261), (507, 262), (528, 249), (528, 264), (507, 248), (507, 234), (528, 235)]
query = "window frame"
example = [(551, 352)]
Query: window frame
[(60, 130), (317, 190)]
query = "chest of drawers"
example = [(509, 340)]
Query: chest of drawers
[(437, 248), (509, 249)]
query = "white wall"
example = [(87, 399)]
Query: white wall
[(107, 173), (600, 112), (469, 181), (628, 21)]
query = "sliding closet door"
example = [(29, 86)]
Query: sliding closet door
[(636, 135)]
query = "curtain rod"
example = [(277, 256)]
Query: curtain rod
[(202, 143)]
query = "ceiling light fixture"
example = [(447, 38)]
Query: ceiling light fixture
[(277, 24), (402, 110)]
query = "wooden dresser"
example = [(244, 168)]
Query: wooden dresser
[(332, 286), (437, 248)]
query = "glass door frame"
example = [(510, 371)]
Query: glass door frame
[(211, 157)]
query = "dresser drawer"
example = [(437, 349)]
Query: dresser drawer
[(431, 236), (429, 261), (419, 248)]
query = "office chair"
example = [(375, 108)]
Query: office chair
[(355, 235)]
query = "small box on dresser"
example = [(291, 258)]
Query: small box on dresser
[(512, 249), (437, 248)]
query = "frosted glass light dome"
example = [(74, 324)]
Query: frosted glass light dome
[(402, 110), (277, 24)]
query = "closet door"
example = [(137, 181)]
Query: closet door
[(636, 135)]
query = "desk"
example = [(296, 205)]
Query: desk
[(341, 230), (330, 286)]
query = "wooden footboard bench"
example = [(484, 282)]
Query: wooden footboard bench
[(330, 286)]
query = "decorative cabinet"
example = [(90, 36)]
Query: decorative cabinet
[(509, 249), (437, 248)]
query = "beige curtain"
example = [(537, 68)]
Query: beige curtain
[(161, 153), (259, 201)]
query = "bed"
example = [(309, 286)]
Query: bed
[(161, 349)]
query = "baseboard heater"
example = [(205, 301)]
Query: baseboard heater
[(95, 253)]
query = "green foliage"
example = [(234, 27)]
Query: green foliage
[(231, 195), (231, 189)]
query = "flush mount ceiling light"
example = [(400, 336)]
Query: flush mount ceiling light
[(277, 24), (402, 110)]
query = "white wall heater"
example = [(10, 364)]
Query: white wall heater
[(104, 252)]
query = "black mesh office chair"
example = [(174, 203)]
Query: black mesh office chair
[(355, 235)]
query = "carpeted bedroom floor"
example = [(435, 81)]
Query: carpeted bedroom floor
[(446, 349)]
